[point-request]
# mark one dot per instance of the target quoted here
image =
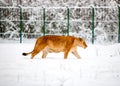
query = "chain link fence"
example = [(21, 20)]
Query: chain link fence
[(95, 25)]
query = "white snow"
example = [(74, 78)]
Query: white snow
[(98, 66)]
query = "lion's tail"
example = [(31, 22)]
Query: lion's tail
[(25, 54)]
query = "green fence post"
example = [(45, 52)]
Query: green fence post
[(44, 22), (92, 25), (119, 24), (20, 24), (68, 21)]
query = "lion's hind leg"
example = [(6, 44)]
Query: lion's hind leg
[(37, 50), (44, 54)]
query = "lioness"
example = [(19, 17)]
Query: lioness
[(52, 43)]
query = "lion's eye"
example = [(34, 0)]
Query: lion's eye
[(84, 43)]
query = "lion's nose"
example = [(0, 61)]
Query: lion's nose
[(85, 47)]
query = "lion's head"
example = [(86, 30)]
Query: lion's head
[(81, 42)]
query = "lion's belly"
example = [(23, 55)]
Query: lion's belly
[(53, 49)]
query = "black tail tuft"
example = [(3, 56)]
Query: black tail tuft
[(24, 54)]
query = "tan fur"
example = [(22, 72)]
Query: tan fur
[(49, 44)]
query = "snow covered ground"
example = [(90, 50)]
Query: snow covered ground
[(99, 66)]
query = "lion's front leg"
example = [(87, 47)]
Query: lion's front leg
[(76, 54), (66, 54)]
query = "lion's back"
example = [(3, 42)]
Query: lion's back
[(56, 43)]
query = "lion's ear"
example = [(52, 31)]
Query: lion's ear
[(80, 39)]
